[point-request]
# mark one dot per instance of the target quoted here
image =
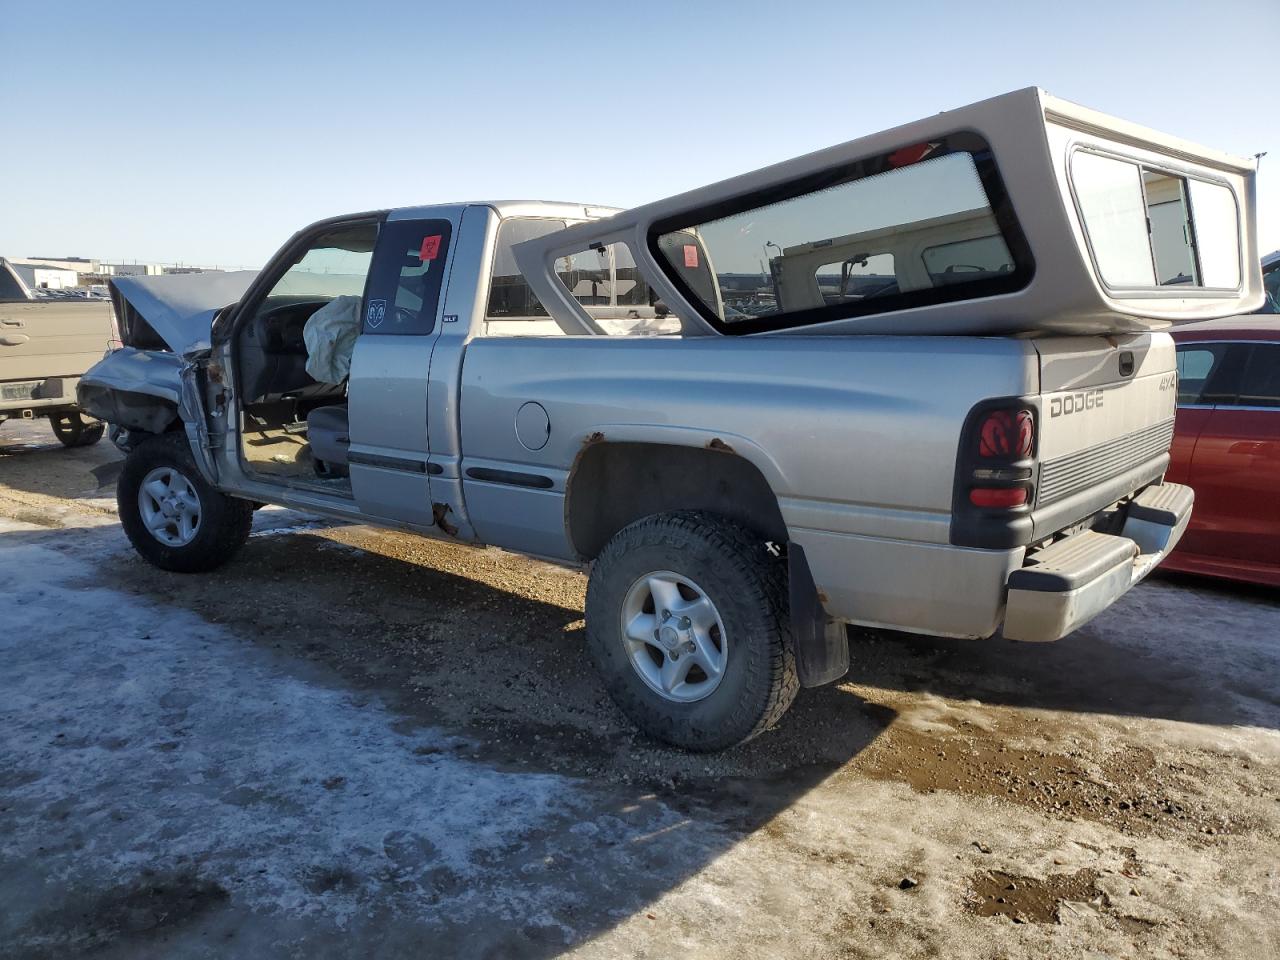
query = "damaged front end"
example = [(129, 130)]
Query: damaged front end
[(134, 389), (162, 379)]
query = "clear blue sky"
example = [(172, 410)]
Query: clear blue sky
[(209, 132)]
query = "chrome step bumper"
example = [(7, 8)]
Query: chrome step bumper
[(1066, 584)]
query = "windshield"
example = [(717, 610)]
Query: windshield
[(336, 265)]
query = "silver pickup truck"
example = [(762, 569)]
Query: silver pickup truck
[(913, 381)]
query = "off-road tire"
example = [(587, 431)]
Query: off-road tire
[(224, 521), (749, 589), (73, 430)]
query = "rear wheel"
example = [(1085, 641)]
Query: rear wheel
[(171, 515), (76, 430), (687, 622)]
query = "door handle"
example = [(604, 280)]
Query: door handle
[(1252, 448), (13, 339), (8, 322)]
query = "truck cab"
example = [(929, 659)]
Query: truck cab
[(916, 381)]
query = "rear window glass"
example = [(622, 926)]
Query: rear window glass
[(1195, 363), (851, 242), (509, 295), (1211, 373), (1261, 385), (629, 283), (860, 276), (966, 259), (1149, 228), (588, 276)]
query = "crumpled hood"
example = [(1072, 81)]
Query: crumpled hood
[(180, 307)]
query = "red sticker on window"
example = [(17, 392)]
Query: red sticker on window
[(691, 256), (912, 154), (430, 248)]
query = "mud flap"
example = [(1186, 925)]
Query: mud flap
[(822, 644)]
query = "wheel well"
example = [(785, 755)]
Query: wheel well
[(614, 484)]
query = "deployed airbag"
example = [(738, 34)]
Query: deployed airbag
[(330, 337)]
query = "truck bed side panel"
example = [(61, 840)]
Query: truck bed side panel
[(52, 338), (855, 436)]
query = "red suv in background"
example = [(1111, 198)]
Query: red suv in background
[(1226, 442)]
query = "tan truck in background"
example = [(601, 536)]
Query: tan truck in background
[(46, 343)]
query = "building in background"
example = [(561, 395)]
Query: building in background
[(130, 269), (37, 276), (78, 264), (88, 276)]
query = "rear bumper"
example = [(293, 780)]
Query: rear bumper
[(1065, 585), (39, 396)]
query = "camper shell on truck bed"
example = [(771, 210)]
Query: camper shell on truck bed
[(1063, 193), (916, 381)]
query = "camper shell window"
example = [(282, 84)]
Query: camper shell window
[(1153, 229), (851, 241), (603, 278)]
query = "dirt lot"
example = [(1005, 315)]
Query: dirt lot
[(351, 743)]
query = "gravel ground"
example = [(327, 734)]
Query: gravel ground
[(355, 743)]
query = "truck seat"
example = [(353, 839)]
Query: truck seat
[(328, 433)]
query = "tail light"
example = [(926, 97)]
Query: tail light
[(995, 475), (998, 497), (1002, 445), (1007, 434)]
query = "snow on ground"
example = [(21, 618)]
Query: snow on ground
[(149, 738)]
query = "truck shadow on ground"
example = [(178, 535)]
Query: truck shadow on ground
[(502, 673), (1175, 648)]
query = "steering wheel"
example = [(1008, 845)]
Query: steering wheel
[(406, 317)]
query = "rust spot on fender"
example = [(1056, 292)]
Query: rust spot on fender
[(718, 444), (596, 437), (440, 513), (822, 596)]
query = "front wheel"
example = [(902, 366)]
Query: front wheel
[(687, 621), (171, 515), (75, 430)]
